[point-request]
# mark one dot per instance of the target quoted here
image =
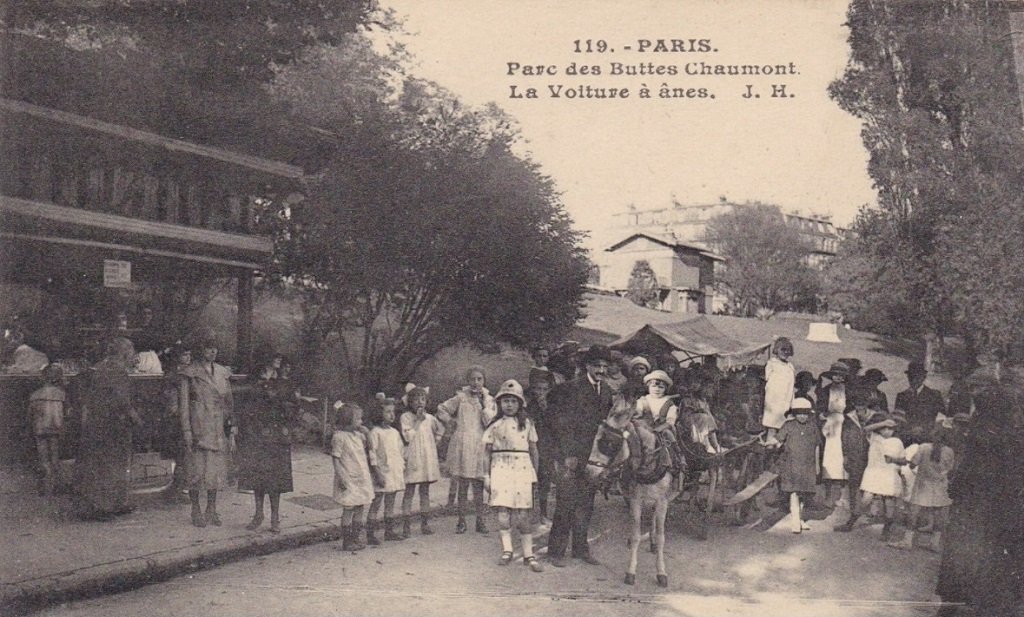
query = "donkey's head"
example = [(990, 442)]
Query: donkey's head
[(611, 443)]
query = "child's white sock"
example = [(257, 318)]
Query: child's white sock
[(506, 540), (527, 544)]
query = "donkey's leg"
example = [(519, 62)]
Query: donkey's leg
[(635, 511), (660, 512)]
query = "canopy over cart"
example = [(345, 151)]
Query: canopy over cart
[(692, 339)]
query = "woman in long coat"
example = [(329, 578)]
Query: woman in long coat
[(472, 409), (983, 549), (206, 394), (265, 451), (104, 455)]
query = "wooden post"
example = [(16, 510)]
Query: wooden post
[(243, 340)]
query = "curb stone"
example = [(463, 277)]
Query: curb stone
[(136, 572)]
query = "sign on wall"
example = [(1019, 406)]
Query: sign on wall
[(117, 273)]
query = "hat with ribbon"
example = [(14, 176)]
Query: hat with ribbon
[(837, 369), (510, 388), (800, 405), (658, 375)]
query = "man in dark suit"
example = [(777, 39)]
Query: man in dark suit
[(580, 405), (921, 404)]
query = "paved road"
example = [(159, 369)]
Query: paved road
[(735, 572)]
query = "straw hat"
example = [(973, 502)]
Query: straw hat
[(511, 388), (659, 375), (800, 405)]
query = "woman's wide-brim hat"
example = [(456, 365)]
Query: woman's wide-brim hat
[(658, 375), (511, 388), (800, 405), (837, 369)]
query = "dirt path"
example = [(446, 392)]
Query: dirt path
[(735, 571)]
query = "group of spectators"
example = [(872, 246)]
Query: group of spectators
[(957, 458)]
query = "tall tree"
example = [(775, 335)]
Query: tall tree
[(424, 229), (934, 86), (766, 260)]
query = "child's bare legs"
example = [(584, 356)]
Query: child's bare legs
[(425, 509), (525, 522), (351, 524), (47, 447), (833, 491), (463, 497), (378, 499), (389, 517), (938, 527), (796, 521), (505, 533), (478, 502), (407, 509), (890, 508), (453, 492), (857, 505), (372, 521), (257, 518), (275, 512), (907, 539)]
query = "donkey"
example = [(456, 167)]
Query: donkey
[(634, 448)]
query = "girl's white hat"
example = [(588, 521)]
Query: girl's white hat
[(511, 388), (800, 405), (660, 375)]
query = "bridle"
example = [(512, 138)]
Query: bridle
[(619, 435)]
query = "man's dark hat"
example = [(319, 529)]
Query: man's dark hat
[(874, 375), (597, 353), (853, 363), (916, 368), (837, 368)]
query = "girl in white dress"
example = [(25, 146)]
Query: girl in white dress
[(882, 474), (833, 471), (510, 447), (386, 444), (471, 410), (353, 480), (422, 433), (933, 463)]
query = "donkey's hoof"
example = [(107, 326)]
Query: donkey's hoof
[(662, 580), (630, 579)]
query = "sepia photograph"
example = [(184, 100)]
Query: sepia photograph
[(674, 308)]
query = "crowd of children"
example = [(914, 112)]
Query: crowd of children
[(493, 449), (839, 434), (835, 430)]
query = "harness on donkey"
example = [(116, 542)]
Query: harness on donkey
[(652, 446)]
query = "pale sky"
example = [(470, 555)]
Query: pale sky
[(801, 153)]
